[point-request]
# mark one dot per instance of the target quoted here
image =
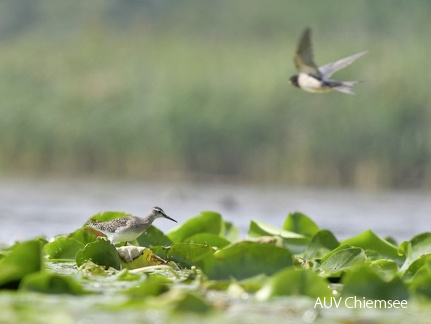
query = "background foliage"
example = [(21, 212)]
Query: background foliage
[(199, 89)]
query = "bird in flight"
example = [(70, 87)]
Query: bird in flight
[(317, 79)]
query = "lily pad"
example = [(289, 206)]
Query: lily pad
[(101, 252), (206, 222), (341, 260), (108, 215), (231, 232), (296, 282), (207, 239), (185, 254), (83, 235), (245, 259), (297, 243), (301, 224), (133, 257), (45, 282), (370, 241), (190, 303), (364, 281), (420, 282), (321, 244), (153, 237), (63, 248), (23, 259), (415, 248)]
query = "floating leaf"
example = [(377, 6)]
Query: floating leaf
[(294, 281), (364, 281), (126, 275), (370, 241), (153, 237), (321, 244), (207, 239), (414, 266), (341, 260), (90, 268), (415, 248), (231, 232), (206, 222), (153, 285), (133, 257), (301, 224), (387, 269), (108, 215), (420, 282), (64, 248), (189, 302), (23, 259), (186, 254), (245, 259), (49, 283), (297, 243), (83, 235), (101, 252)]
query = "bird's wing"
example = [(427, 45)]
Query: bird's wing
[(329, 69), (304, 55)]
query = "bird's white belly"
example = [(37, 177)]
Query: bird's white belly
[(123, 237), (311, 84)]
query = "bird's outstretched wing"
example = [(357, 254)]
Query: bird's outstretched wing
[(329, 69), (304, 55)]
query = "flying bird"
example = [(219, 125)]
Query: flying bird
[(317, 79)]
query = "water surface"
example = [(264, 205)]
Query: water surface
[(30, 208)]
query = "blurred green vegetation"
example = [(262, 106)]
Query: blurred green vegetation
[(198, 89)]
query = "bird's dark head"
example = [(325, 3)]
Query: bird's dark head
[(294, 80), (157, 212)]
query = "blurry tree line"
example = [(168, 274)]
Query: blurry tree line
[(198, 90)]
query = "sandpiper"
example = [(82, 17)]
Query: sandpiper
[(128, 228)]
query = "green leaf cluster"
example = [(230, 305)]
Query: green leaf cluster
[(205, 254)]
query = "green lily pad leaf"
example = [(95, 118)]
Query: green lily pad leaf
[(301, 224), (134, 257), (190, 303), (126, 275), (101, 252), (387, 269), (415, 248), (341, 260), (420, 281), (206, 222), (297, 243), (185, 254), (414, 266), (107, 215), (83, 235), (253, 284), (63, 248), (153, 285), (370, 241), (321, 244), (23, 259), (294, 281), (231, 232), (364, 281), (245, 259), (207, 239), (89, 268), (49, 283), (153, 237)]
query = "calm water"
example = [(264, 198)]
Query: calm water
[(33, 208)]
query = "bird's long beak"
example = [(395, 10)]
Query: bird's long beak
[(166, 216)]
